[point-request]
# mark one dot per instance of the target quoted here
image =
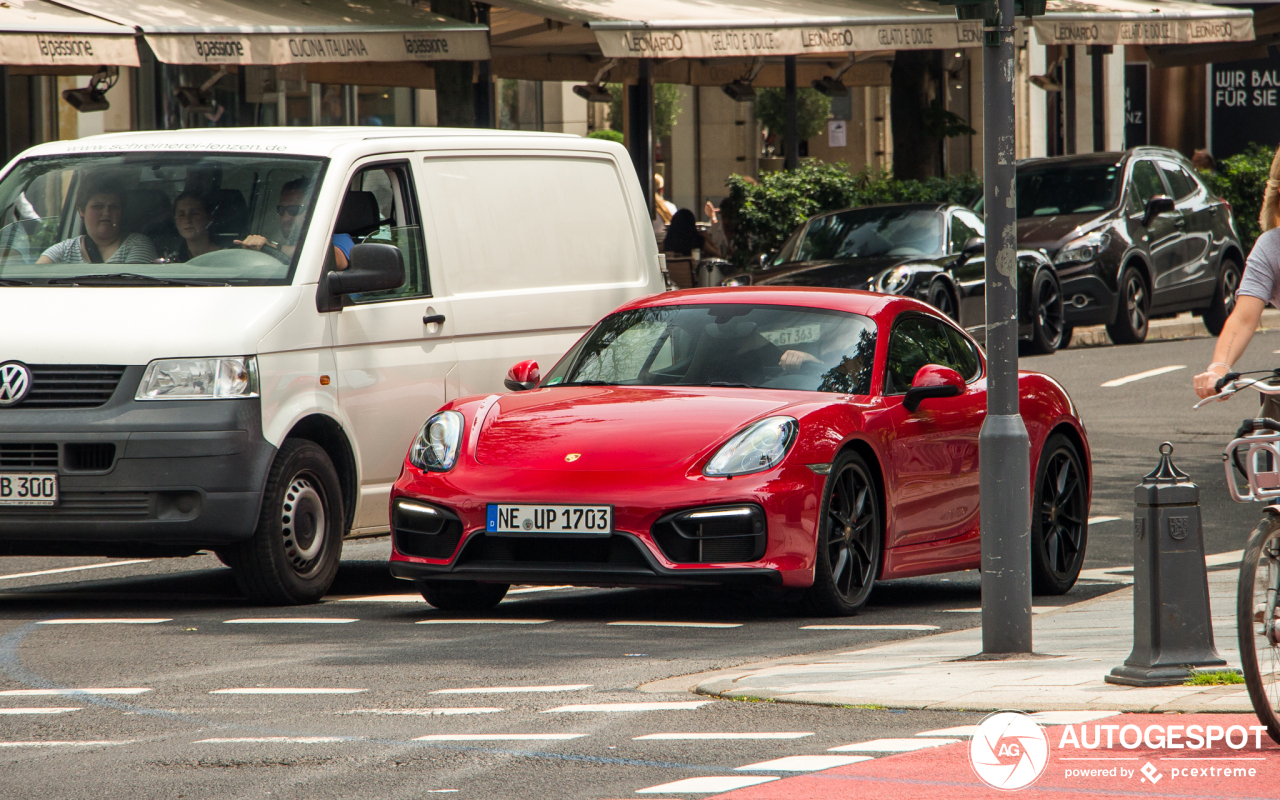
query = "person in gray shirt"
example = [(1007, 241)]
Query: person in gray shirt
[(101, 209), (1259, 285)]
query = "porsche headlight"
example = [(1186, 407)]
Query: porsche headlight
[(758, 447), (736, 280), (895, 280), (436, 448), (199, 379), (1084, 249)]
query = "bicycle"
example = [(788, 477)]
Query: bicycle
[(1254, 455)]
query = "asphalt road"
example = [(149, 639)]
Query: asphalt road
[(366, 681)]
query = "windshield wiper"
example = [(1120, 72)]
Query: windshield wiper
[(587, 383), (130, 277), (13, 282), (726, 384)]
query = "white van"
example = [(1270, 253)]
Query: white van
[(186, 364)]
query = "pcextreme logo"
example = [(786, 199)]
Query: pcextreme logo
[(1009, 750)]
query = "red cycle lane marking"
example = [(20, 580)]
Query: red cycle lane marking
[(944, 772)]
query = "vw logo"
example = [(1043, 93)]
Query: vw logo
[(1009, 750), (15, 382)]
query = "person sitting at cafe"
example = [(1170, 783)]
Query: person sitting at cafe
[(683, 236)]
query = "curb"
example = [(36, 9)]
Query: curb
[(1183, 326)]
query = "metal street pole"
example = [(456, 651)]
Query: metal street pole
[(1004, 450)]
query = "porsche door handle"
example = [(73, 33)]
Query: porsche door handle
[(433, 319)]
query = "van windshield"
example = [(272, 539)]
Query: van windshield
[(155, 218)]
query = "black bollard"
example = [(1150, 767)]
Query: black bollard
[(1172, 627)]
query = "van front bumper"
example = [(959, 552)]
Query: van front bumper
[(154, 477)]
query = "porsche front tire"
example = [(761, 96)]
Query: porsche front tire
[(462, 595), (1059, 518), (850, 535)]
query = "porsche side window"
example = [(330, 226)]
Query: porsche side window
[(965, 359), (916, 341), (962, 230)]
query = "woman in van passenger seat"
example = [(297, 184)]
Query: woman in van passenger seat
[(192, 218), (101, 209)]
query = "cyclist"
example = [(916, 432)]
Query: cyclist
[(1260, 285)]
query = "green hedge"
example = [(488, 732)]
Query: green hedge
[(1241, 180), (608, 134), (767, 213)]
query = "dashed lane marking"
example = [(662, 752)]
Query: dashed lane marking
[(1137, 376), (17, 575), (276, 740), (482, 622), (680, 624), (424, 712), (572, 687), (105, 621), (378, 598), (709, 785), (687, 705), (1096, 520), (63, 692), (696, 737), (868, 627), (7, 711), (803, 763), (890, 745), (285, 690), (499, 737), (290, 621), (51, 743), (532, 589)]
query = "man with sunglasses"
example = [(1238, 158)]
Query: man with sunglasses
[(292, 211)]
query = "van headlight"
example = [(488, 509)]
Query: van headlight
[(436, 448), (199, 379), (1086, 248), (756, 448)]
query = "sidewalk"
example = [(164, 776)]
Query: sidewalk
[(1183, 326), (1080, 644)]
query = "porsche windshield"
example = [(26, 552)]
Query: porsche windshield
[(155, 218), (867, 233), (739, 345), (1081, 189)]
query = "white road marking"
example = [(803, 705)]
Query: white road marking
[(680, 624), (890, 745), (1096, 520), (978, 610), (37, 710), (687, 705), (1220, 559), (499, 737), (275, 740), (482, 622), (1137, 376), (531, 589), (573, 687), (66, 744), (63, 692), (378, 598), (15, 576), (710, 785), (802, 763), (868, 627), (105, 621), (285, 690), (425, 712), (289, 621), (697, 737)]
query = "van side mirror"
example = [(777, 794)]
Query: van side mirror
[(975, 246), (371, 268), (1158, 204), (523, 376), (932, 380)]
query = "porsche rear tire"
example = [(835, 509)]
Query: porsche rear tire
[(1059, 518), (462, 595), (850, 534)]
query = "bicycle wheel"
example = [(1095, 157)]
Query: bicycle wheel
[(1259, 637)]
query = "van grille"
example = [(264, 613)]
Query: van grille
[(71, 385), (18, 455), (91, 505)]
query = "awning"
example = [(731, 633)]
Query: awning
[(37, 33), (275, 32), (710, 28), (1139, 22)]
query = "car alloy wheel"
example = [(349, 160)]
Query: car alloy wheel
[(1060, 519), (1049, 321), (1130, 325), (848, 558), (1224, 297)]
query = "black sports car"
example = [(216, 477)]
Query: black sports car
[(930, 251)]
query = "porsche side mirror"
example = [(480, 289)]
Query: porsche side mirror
[(1159, 204), (523, 376), (975, 246), (932, 380)]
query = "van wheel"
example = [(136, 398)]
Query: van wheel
[(1224, 297), (1133, 312), (293, 555), (462, 595)]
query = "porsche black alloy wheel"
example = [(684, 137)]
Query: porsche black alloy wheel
[(850, 531), (1047, 323), (940, 297), (1133, 312), (1059, 518)]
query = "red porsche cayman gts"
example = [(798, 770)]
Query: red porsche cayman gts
[(805, 439)]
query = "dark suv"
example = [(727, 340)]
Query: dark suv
[(1132, 235)]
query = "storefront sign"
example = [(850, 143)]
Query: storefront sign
[(1227, 25), (1137, 126), (634, 43), (1244, 105), (56, 49), (264, 49)]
